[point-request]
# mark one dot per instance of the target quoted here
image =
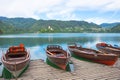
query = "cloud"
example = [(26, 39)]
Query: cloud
[(99, 5), (99, 20), (60, 9), (62, 14), (26, 8), (114, 5)]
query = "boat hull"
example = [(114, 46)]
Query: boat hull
[(108, 49), (57, 56), (19, 72), (14, 63), (16, 59), (16, 67), (60, 62), (99, 58)]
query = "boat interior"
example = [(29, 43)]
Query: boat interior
[(15, 53)]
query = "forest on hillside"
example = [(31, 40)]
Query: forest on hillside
[(29, 25)]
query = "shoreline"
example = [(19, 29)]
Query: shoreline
[(39, 70)]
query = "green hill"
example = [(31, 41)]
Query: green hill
[(116, 29), (109, 25), (29, 25), (64, 26), (5, 28)]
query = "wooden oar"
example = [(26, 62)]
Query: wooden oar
[(70, 62), (49, 52)]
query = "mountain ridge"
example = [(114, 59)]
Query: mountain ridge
[(30, 25)]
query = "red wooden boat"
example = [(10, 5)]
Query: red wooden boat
[(16, 59), (107, 48), (93, 55), (57, 55)]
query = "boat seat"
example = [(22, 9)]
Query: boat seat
[(16, 55), (60, 55), (12, 59), (72, 46)]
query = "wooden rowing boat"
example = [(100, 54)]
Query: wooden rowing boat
[(93, 55), (107, 48), (16, 59), (57, 55)]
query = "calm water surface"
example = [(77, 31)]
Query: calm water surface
[(36, 43)]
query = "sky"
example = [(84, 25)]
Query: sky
[(96, 11)]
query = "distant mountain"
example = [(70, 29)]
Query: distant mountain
[(63, 26), (3, 18), (29, 25), (116, 29), (19, 22), (5, 28), (109, 25)]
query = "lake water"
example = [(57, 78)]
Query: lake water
[(36, 43)]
